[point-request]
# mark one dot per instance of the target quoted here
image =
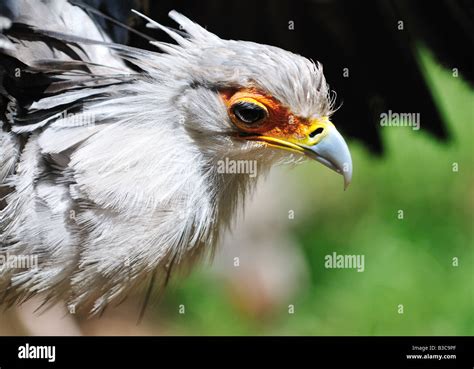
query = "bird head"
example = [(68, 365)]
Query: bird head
[(241, 99), (139, 188)]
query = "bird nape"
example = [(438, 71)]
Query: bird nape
[(109, 154)]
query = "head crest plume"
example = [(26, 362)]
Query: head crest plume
[(192, 29)]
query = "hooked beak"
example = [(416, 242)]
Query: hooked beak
[(322, 142), (332, 151)]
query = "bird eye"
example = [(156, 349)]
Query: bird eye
[(248, 113)]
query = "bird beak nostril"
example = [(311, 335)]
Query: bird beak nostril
[(316, 132)]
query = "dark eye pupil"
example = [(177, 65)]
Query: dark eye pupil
[(248, 112)]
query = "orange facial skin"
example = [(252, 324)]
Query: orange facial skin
[(280, 123), (262, 118)]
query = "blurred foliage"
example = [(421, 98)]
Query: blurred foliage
[(407, 261)]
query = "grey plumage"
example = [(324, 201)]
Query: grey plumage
[(110, 171)]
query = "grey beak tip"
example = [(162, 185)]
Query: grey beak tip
[(346, 185), (332, 151), (347, 179)]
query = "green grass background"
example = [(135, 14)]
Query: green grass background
[(407, 261)]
